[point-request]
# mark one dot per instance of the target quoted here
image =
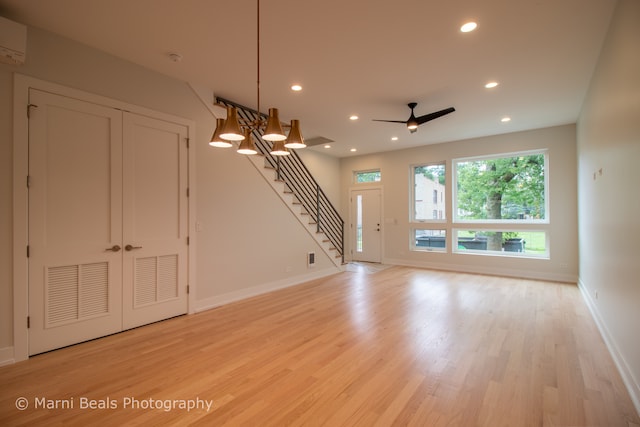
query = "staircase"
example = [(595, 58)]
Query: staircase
[(295, 185)]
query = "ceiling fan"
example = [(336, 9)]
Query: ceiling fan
[(413, 122)]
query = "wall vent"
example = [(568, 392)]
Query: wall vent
[(311, 259)]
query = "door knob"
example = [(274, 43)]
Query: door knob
[(114, 248), (130, 248)]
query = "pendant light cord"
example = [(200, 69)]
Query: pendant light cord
[(258, 57)]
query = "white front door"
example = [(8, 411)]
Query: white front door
[(75, 221), (108, 220), (155, 220), (366, 225)]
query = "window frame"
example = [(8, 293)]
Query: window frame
[(485, 252), (358, 172), (440, 204), (502, 222), (415, 247)]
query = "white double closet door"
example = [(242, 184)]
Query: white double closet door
[(108, 220)]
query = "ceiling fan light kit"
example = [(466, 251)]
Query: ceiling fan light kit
[(413, 122)]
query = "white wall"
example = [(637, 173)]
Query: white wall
[(326, 171), (609, 205), (562, 229), (241, 248)]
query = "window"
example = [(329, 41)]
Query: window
[(514, 243), (360, 177), (429, 240), (428, 182), (359, 223), (501, 193), (507, 189)]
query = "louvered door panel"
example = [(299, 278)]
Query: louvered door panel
[(76, 292), (168, 284), (61, 295), (145, 291), (156, 280)]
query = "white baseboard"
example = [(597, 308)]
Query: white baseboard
[(633, 386), (219, 300), (475, 269), (6, 356)]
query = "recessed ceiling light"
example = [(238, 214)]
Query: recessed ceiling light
[(491, 85), (327, 146), (354, 117), (353, 150), (394, 138), (296, 88), (469, 26), (505, 119)]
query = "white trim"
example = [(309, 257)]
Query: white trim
[(350, 226), (21, 85), (6, 356), (229, 297), (20, 213), (632, 385), (492, 271)]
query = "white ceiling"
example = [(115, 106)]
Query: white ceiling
[(364, 57)]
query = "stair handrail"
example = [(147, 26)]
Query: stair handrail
[(299, 181)]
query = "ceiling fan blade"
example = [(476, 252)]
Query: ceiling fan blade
[(390, 121), (435, 115)]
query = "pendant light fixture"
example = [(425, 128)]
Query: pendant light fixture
[(216, 141), (231, 128), (246, 145), (295, 140)]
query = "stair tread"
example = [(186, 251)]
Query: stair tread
[(295, 201)]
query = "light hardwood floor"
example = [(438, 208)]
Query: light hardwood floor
[(401, 346)]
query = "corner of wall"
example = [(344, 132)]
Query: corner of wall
[(632, 384), (6, 356)]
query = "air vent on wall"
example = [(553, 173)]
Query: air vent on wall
[(311, 259)]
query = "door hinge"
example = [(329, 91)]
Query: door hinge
[(187, 289), (28, 251), (188, 193), (29, 106), (28, 181), (28, 322), (187, 139), (187, 240)]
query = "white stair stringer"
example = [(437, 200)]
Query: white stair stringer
[(279, 187)]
